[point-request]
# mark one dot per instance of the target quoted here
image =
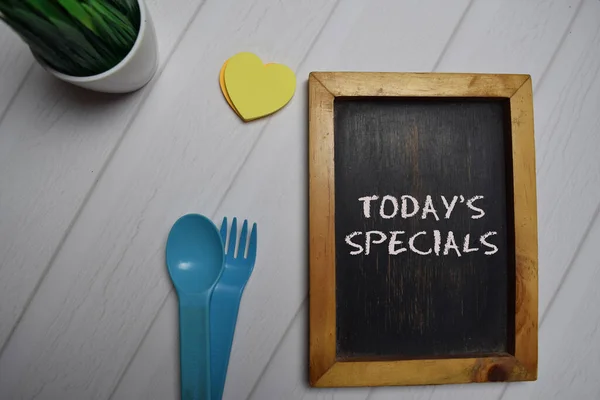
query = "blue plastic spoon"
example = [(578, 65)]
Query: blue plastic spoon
[(195, 259)]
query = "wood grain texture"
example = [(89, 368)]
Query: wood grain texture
[(420, 84), (91, 329), (424, 372), (55, 141), (322, 227), (525, 226)]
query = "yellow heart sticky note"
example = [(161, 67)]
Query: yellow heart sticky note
[(255, 90), (224, 89)]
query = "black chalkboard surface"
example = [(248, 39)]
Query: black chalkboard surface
[(423, 230), (441, 163)]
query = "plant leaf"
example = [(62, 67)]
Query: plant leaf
[(63, 37), (113, 16), (104, 29), (129, 7), (76, 37), (78, 12), (46, 9)]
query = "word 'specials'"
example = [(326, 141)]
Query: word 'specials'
[(423, 242)]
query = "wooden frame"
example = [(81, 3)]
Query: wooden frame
[(325, 370)]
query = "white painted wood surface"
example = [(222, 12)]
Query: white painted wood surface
[(90, 185)]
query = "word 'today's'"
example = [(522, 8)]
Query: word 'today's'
[(362, 242)]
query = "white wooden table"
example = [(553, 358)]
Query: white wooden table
[(90, 185)]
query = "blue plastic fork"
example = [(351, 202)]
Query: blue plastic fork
[(225, 301)]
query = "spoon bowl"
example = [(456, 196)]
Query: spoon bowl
[(195, 259), (194, 254)]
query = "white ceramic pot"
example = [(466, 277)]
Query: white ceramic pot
[(133, 72)]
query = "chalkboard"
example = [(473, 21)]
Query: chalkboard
[(435, 169), (417, 232)]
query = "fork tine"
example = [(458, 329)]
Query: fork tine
[(242, 246), (224, 231), (232, 238), (252, 245)]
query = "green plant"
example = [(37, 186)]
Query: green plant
[(75, 37)]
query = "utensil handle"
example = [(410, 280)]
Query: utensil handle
[(194, 348), (223, 317)]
